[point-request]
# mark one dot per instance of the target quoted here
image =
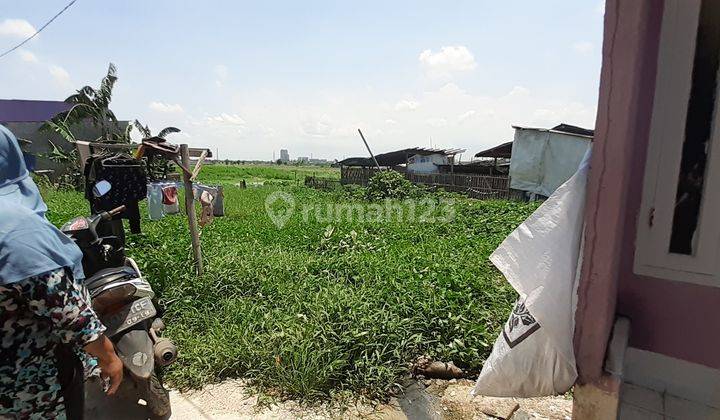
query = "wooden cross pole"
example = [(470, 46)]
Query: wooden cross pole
[(190, 209)]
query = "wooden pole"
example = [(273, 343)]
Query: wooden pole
[(190, 210), (198, 164), (368, 149)]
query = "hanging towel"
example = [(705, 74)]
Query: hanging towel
[(206, 214), (218, 203), (170, 195), (155, 201), (170, 199)]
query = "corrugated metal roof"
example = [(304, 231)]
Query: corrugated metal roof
[(574, 129), (562, 129), (21, 110), (397, 157), (501, 151)]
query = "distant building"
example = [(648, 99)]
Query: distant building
[(284, 155), (412, 160), (543, 159), (427, 164), (303, 159), (25, 117)]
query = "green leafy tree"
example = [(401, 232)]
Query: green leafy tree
[(93, 105)]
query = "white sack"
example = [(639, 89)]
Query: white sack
[(533, 356)]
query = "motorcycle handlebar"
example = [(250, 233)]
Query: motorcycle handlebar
[(116, 211)]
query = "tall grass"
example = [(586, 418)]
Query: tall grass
[(310, 311), (232, 174)]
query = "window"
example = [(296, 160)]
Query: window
[(678, 230)]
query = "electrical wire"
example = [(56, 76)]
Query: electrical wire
[(38, 31)]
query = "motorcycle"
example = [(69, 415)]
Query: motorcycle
[(123, 300)]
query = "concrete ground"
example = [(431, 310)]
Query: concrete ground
[(431, 399)]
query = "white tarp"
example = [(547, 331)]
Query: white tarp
[(542, 160), (533, 355)]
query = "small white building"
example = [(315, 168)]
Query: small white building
[(543, 159), (427, 164)]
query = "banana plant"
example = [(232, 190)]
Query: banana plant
[(93, 105)]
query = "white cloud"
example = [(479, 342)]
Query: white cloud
[(448, 60), (165, 107), (406, 105), (16, 28), (519, 91), (583, 47), (465, 115), (268, 132), (28, 56), (321, 127), (437, 122), (222, 72), (572, 113), (61, 76), (226, 119), (325, 123)]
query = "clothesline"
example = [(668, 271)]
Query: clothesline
[(162, 199), (85, 149), (180, 184), (129, 193)]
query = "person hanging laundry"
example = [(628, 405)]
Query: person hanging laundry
[(127, 178)]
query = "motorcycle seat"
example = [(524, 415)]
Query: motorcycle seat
[(109, 275)]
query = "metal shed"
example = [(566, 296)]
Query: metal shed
[(542, 159)]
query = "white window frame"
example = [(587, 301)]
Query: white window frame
[(667, 133)]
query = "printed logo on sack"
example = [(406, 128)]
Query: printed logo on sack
[(280, 206), (520, 325)]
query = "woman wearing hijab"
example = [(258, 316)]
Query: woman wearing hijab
[(46, 320)]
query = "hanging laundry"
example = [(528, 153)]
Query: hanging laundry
[(156, 209), (128, 180), (169, 194), (171, 208), (214, 192), (170, 199), (218, 203), (206, 213)]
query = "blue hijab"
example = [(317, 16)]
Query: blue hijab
[(29, 244)]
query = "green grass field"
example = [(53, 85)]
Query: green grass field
[(274, 174), (321, 308)]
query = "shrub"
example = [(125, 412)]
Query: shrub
[(389, 184)]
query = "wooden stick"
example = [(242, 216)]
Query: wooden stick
[(198, 165), (190, 210), (368, 149)]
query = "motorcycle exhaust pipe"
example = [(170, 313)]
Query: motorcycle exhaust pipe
[(165, 351)]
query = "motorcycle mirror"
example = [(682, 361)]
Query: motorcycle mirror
[(101, 188)]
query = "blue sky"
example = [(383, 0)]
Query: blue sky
[(250, 78)]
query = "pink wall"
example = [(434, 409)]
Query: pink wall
[(627, 82), (673, 318)]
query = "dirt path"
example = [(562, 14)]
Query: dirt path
[(436, 400)]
